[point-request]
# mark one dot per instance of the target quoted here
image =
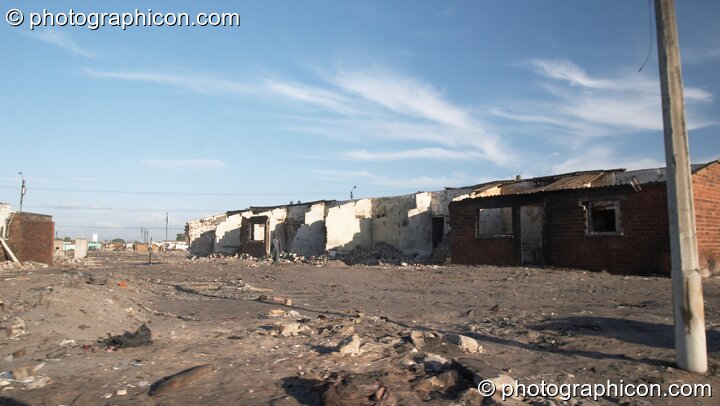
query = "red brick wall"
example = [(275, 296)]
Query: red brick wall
[(31, 237), (467, 248), (643, 247), (706, 191)]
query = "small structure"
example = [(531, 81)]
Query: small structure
[(29, 236), (612, 220), (81, 248)]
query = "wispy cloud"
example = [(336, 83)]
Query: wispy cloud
[(186, 164), (354, 105), (600, 157), (62, 40), (587, 106), (312, 95), (411, 102), (419, 153), (411, 183), (198, 83)]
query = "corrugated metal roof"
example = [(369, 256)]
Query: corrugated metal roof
[(569, 181), (579, 181)]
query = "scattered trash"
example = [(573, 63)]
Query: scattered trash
[(143, 336), (16, 328)]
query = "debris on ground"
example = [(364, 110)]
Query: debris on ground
[(143, 336), (180, 379)]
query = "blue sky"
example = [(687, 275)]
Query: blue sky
[(303, 101)]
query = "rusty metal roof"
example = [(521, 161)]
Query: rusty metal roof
[(572, 181), (567, 181)]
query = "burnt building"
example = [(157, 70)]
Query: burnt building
[(613, 220)]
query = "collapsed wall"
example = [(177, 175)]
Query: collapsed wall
[(414, 224), (201, 234)]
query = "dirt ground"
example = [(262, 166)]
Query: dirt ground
[(335, 334)]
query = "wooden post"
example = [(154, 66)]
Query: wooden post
[(690, 345), (8, 251)]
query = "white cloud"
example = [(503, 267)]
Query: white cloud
[(413, 183), (419, 153), (404, 95), (418, 111), (186, 164), (588, 106), (603, 158), (199, 83), (357, 105), (312, 95), (62, 40)]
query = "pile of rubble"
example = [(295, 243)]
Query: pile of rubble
[(380, 253), (399, 365), (22, 266)]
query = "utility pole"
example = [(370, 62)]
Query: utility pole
[(690, 345), (166, 226), (22, 189)]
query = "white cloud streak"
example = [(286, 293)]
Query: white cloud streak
[(62, 40), (601, 157), (198, 83), (376, 103), (420, 153), (412, 183), (587, 106)]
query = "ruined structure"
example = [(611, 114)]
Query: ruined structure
[(29, 236), (612, 220), (415, 224), (201, 234)]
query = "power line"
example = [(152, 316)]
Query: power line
[(119, 227), (122, 209), (169, 193)]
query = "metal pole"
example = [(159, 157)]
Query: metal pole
[(22, 190), (166, 226), (690, 345)]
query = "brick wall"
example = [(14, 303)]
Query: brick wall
[(468, 248), (706, 191), (31, 237), (642, 247)]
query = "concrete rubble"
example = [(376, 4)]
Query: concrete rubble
[(312, 335)]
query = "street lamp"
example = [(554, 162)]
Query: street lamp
[(22, 189)]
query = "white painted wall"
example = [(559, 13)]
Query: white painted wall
[(309, 239), (5, 214), (202, 234), (227, 234), (349, 224)]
